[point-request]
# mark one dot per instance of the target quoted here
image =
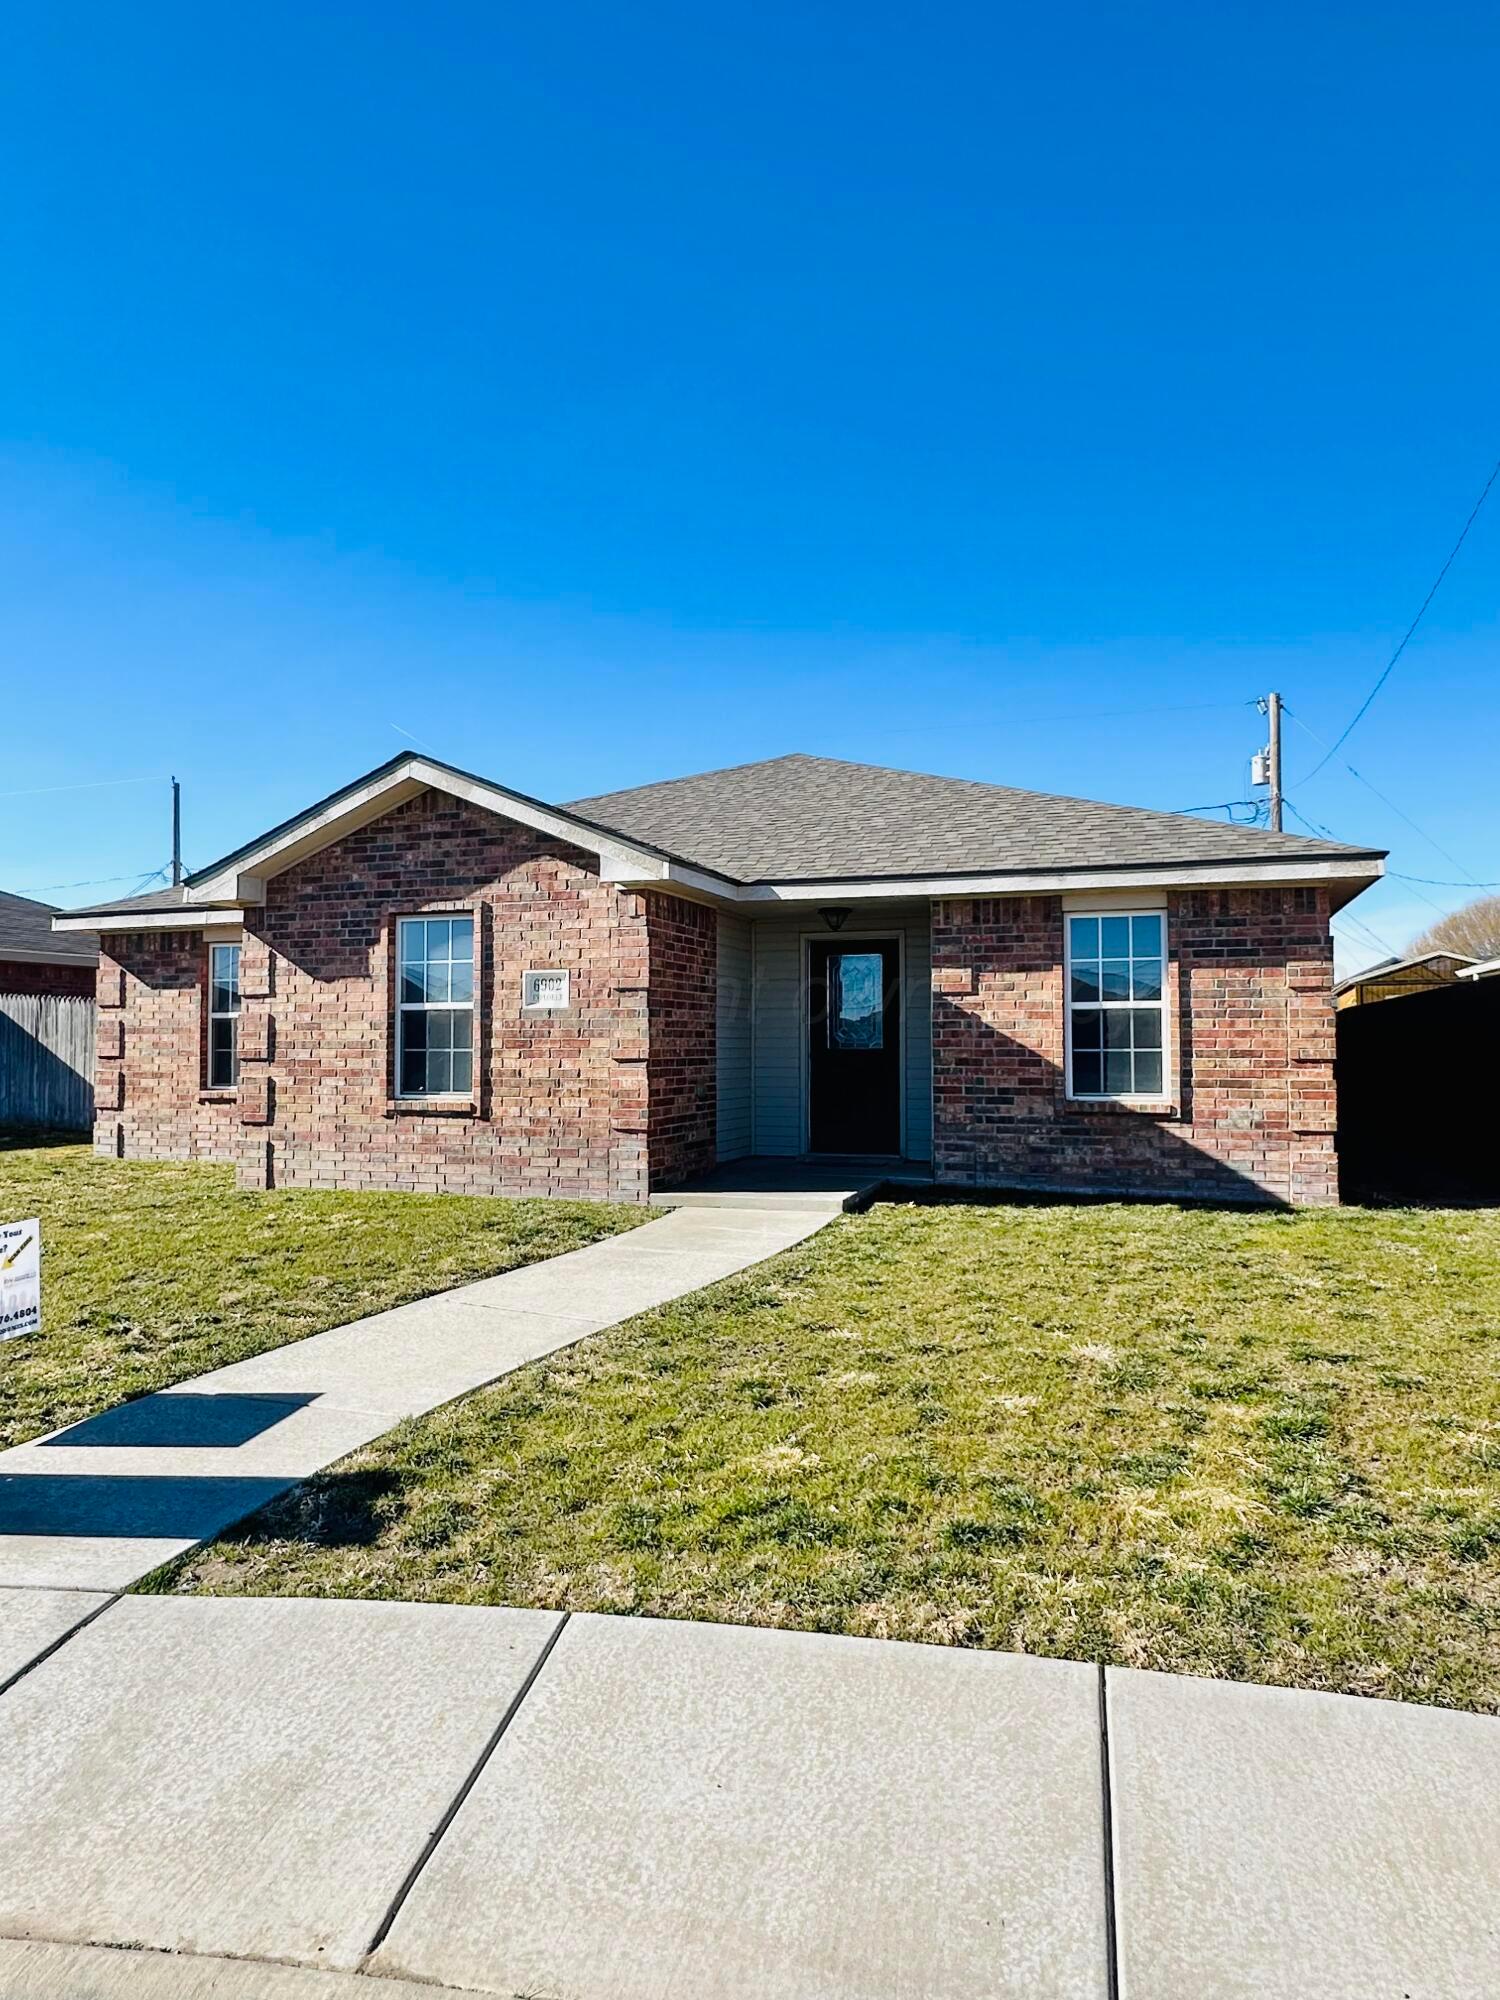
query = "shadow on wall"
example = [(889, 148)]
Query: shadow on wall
[(1002, 1120)]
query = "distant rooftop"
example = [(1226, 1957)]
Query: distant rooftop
[(26, 933)]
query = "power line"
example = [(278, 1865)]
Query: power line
[(1369, 787), (1385, 674), (1228, 806), (1435, 882), (93, 785), (1313, 827), (92, 881), (1370, 937)]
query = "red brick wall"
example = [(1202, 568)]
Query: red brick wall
[(1251, 1113), (150, 1102), (603, 1099), (683, 941), (554, 1107), (20, 975)]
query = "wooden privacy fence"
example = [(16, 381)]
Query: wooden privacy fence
[(47, 1061)]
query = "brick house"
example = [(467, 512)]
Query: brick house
[(430, 981)]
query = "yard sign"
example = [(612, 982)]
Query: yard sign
[(20, 1278)]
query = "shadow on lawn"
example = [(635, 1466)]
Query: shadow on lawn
[(332, 1510), (923, 1194)]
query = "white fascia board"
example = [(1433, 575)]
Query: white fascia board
[(1280, 871), (13, 955), (188, 917), (244, 881), (1487, 968)]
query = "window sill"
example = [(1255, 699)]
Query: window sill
[(431, 1107), (1133, 1107), (222, 1093)]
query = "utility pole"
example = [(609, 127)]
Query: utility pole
[(1273, 714), (177, 832), (1265, 765)]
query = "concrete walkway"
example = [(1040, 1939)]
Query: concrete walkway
[(96, 1506), (303, 1799)]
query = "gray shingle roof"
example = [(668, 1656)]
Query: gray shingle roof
[(802, 818), (26, 929), (149, 904)]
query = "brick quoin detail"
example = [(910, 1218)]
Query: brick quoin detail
[(604, 1099), (1252, 1114), (20, 975)]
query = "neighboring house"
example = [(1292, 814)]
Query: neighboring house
[(34, 958), (1487, 968), (46, 1020), (1393, 977), (430, 981)]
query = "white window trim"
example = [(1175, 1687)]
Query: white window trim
[(405, 1007), (222, 1014), (1109, 908)]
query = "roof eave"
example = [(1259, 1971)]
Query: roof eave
[(30, 955), (186, 917), (1344, 875)]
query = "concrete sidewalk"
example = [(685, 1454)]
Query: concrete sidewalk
[(96, 1506), (515, 1802)]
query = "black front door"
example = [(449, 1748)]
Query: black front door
[(854, 1057)]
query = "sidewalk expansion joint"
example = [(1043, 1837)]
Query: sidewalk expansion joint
[(71, 1633), (1111, 1934), (382, 1929)]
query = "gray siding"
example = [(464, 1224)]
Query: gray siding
[(779, 1124), (735, 973), (46, 1061)]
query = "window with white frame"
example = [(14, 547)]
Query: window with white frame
[(1117, 1016), (435, 1007), (223, 1016)]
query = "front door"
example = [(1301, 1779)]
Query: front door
[(854, 1056)]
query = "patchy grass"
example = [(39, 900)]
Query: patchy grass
[(1263, 1446), (153, 1273)]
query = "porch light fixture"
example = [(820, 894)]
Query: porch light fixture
[(836, 916)]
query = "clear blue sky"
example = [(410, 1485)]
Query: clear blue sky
[(602, 393)]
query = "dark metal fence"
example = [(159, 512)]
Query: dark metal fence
[(1419, 1096)]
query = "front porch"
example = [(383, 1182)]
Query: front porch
[(840, 1095), (826, 1184)]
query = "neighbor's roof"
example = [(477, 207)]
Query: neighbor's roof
[(1392, 968), (802, 818), (26, 933)]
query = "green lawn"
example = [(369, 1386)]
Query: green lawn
[(152, 1273), (1262, 1446)]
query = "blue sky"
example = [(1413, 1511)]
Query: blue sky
[(599, 394)]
